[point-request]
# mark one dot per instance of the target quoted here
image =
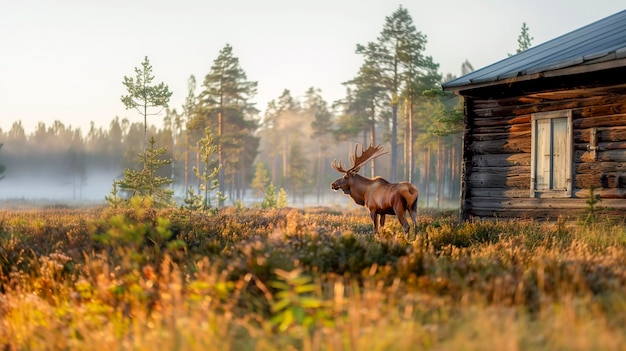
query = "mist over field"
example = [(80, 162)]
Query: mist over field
[(60, 188)]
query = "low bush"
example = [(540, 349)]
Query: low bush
[(276, 279)]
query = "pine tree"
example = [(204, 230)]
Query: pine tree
[(397, 57), (189, 108), (281, 124), (322, 127), (367, 99), (207, 176), (225, 103), (269, 200), (144, 97), (298, 174), (145, 183), (524, 40), (281, 200), (261, 178)]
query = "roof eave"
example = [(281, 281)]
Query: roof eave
[(569, 70)]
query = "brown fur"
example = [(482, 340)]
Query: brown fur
[(381, 198)]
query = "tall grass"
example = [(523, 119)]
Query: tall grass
[(244, 279)]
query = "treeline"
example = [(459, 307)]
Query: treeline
[(394, 100)]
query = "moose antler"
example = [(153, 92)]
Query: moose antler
[(337, 165), (357, 161)]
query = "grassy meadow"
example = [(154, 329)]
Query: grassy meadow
[(314, 279)]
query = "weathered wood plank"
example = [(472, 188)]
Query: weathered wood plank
[(598, 180), (600, 121), (501, 160), (520, 110), (599, 167), (612, 145), (506, 146), (616, 133), (491, 180), (540, 97), (601, 110), (608, 155), (501, 136), (501, 121), (499, 192), (534, 214), (515, 128), (503, 171), (602, 193), (530, 203)]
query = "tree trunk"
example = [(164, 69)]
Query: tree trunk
[(394, 141), (198, 164), (373, 139), (411, 141), (186, 159), (285, 163), (220, 156), (439, 172), (405, 174), (319, 169), (428, 170)]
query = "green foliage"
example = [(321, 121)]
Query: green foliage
[(124, 231), (224, 105), (114, 200), (592, 208), (395, 69), (281, 201), (273, 199), (322, 123), (298, 174), (269, 199), (524, 40), (145, 97), (145, 182), (294, 306), (261, 178), (208, 179), (192, 201), (278, 280), (451, 118)]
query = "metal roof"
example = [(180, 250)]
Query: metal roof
[(603, 40)]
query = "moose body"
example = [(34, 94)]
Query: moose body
[(379, 196)]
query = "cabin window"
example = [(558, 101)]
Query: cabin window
[(551, 154)]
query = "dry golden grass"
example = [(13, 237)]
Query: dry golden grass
[(242, 279)]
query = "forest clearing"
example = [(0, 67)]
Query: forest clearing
[(313, 279)]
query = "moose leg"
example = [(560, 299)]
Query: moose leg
[(401, 214), (413, 214), (375, 220), (382, 220)]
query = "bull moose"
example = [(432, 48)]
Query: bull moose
[(379, 196)]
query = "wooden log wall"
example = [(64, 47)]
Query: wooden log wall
[(498, 153)]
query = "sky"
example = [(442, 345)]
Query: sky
[(65, 59)]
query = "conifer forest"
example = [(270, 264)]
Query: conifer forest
[(394, 99)]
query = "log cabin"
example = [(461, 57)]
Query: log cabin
[(545, 128)]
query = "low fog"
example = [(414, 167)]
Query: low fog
[(43, 190), (61, 189)]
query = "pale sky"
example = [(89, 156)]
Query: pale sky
[(65, 59)]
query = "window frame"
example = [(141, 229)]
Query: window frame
[(534, 192)]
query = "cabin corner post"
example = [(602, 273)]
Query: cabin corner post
[(467, 153)]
